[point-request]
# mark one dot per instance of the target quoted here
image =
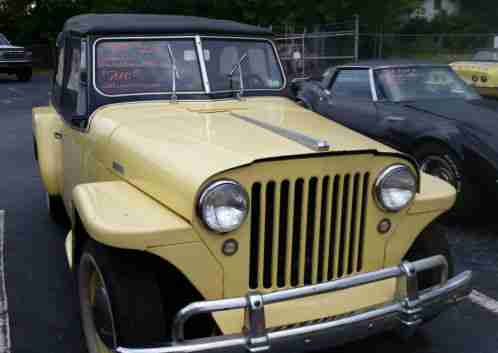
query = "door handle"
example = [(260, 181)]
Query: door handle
[(58, 135), (395, 118)]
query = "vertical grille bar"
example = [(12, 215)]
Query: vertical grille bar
[(283, 233), (276, 235), (338, 225), (316, 230), (364, 207), (255, 222), (346, 226), (290, 233), (261, 241), (328, 228), (303, 232), (355, 234)]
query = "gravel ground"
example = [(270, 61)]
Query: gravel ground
[(43, 308)]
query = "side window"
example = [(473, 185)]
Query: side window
[(353, 83), (74, 98)]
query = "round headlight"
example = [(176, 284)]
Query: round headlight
[(223, 206), (395, 188)]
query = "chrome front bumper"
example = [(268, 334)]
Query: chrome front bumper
[(406, 312)]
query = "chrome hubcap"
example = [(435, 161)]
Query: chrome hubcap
[(442, 168), (96, 312)]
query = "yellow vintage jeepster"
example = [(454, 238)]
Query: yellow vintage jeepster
[(210, 213)]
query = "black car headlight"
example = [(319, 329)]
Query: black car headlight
[(395, 188), (223, 206)]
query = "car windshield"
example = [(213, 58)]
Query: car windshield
[(144, 66), (260, 69), (3, 40), (414, 83), (486, 55)]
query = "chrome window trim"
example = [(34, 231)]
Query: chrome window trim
[(375, 97), (202, 62), (200, 54), (94, 60)]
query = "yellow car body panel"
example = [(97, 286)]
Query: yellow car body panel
[(160, 150), (135, 173), (483, 76), (46, 123)]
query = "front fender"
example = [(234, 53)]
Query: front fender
[(48, 149), (117, 214)]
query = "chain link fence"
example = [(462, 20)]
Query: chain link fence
[(309, 51), (441, 48)]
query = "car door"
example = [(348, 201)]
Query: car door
[(348, 100), (73, 107)]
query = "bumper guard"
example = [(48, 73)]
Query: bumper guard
[(406, 312)]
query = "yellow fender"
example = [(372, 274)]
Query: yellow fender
[(117, 214), (46, 123)]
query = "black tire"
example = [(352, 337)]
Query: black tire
[(56, 209), (25, 75), (466, 204), (132, 315), (432, 241)]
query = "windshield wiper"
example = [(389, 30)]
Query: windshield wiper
[(175, 74), (238, 67)]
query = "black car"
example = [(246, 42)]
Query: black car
[(420, 108)]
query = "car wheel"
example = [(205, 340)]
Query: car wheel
[(120, 300), (25, 75), (441, 162), (55, 207), (432, 241)]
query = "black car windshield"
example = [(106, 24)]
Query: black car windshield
[(421, 82), (486, 55), (260, 70), (3, 40), (144, 66)]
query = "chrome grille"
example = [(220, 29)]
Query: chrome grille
[(13, 55), (308, 230)]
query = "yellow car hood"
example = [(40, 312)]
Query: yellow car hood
[(169, 150)]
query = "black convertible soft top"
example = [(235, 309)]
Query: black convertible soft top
[(109, 24)]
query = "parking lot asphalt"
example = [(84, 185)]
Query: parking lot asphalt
[(43, 307)]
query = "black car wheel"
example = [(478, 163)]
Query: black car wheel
[(441, 162), (120, 300)]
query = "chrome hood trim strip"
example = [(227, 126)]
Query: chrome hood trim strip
[(307, 141)]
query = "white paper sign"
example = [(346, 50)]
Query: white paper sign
[(496, 41)]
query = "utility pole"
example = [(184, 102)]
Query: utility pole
[(356, 37)]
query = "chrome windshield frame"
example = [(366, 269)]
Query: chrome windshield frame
[(199, 47)]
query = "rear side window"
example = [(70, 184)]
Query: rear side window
[(353, 84), (74, 100)]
